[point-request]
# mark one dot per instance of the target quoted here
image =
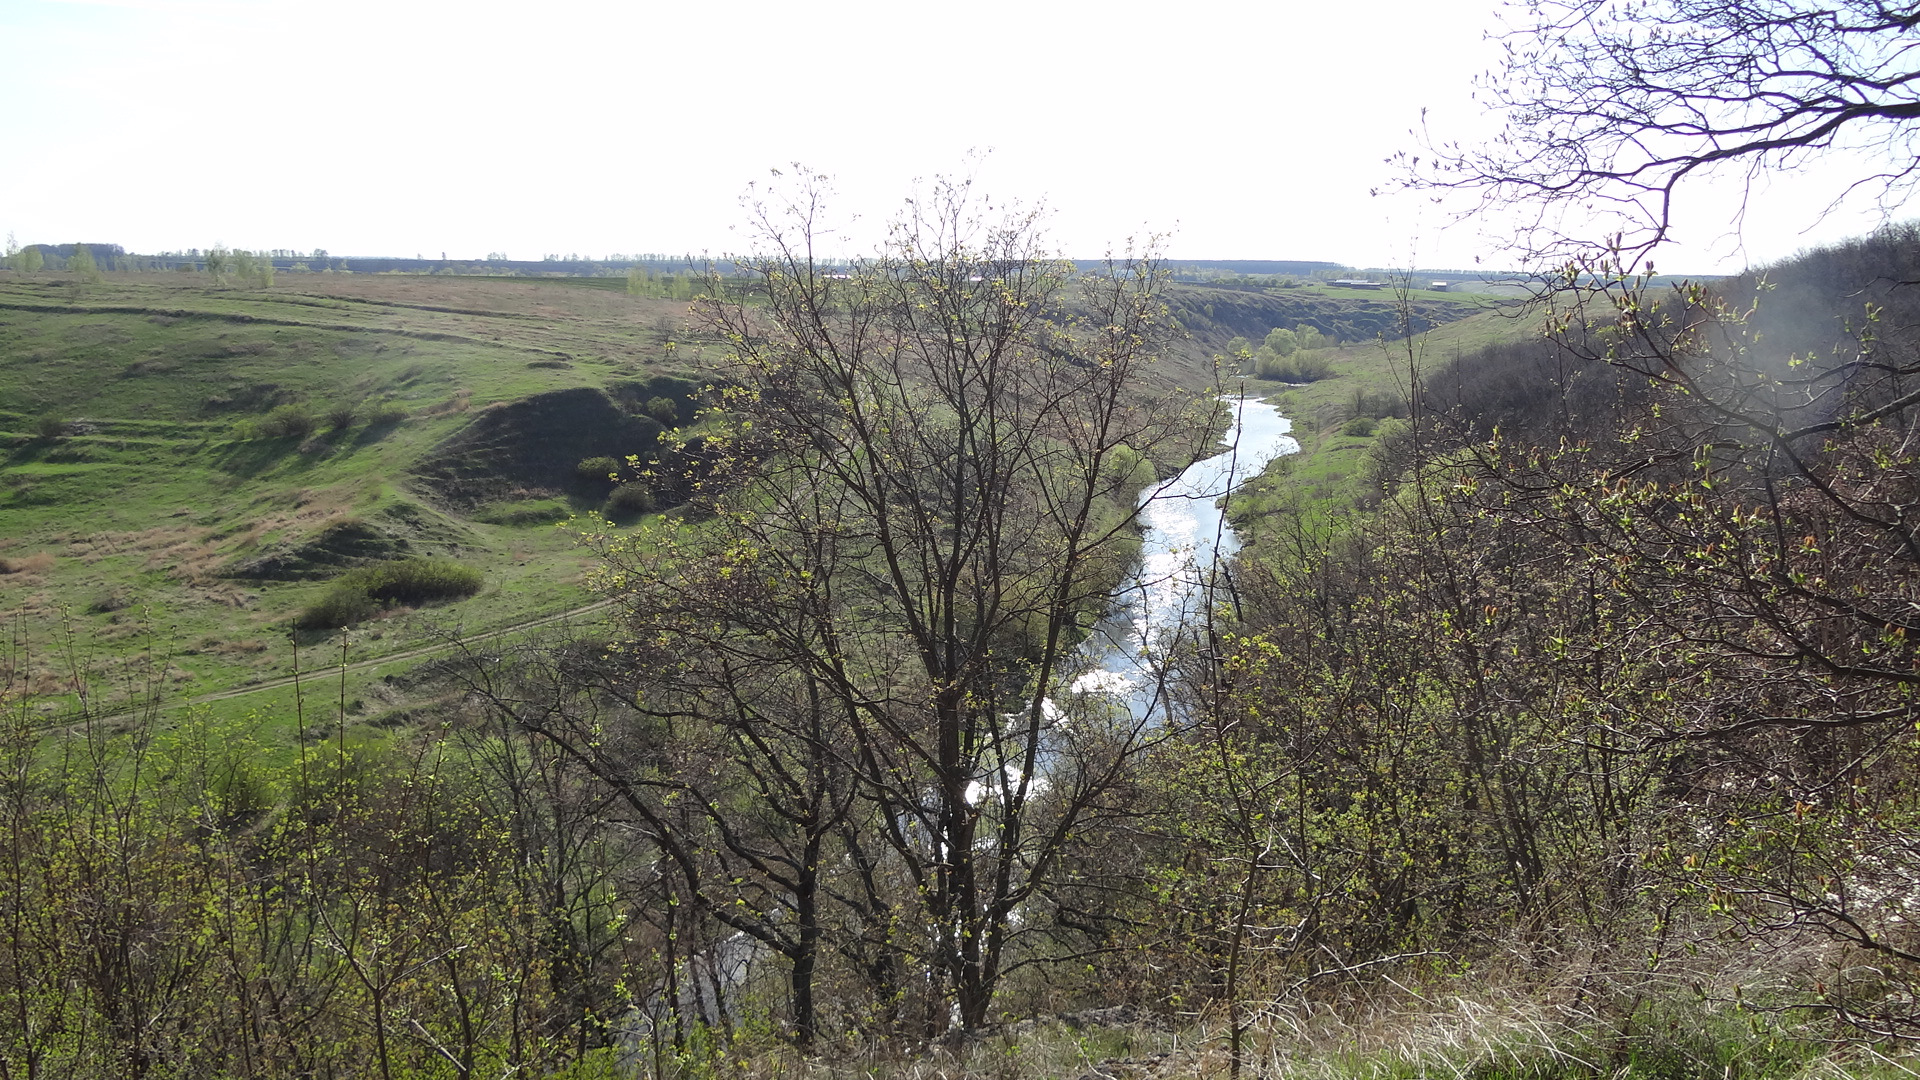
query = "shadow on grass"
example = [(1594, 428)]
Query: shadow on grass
[(375, 431), (304, 637), (248, 459), (27, 453)]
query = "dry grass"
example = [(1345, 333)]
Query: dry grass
[(460, 402), (241, 647), (36, 564), (225, 594), (90, 547), (1716, 1013)]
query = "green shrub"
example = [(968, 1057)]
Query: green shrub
[(358, 593), (663, 410), (1300, 367), (286, 422), (386, 414), (415, 581), (1378, 405), (1133, 468), (600, 468), (341, 416), (628, 501), (338, 607), (525, 512), (51, 427), (1310, 367), (1361, 426)]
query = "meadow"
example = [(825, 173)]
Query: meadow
[(184, 466)]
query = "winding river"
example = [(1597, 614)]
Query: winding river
[(1184, 535)]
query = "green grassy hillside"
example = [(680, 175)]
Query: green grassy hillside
[(182, 467), (1369, 382)]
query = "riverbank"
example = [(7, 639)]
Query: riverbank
[(1341, 421)]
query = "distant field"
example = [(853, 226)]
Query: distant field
[(130, 532)]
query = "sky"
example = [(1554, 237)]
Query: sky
[(1237, 130)]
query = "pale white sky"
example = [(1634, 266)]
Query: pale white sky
[(1249, 130)]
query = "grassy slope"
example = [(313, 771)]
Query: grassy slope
[(1214, 316), (122, 535), (1330, 470)]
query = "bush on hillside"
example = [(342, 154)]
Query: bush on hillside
[(627, 502), (415, 581), (359, 593), (337, 608), (524, 512), (600, 469), (386, 413), (285, 422), (1379, 405)]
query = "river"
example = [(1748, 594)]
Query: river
[(1184, 536)]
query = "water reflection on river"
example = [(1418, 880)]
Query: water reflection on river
[(1183, 535)]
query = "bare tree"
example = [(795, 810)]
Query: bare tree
[(922, 485), (722, 757), (1613, 105)]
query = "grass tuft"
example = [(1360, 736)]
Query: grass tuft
[(358, 594)]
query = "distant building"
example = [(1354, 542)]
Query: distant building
[(1355, 283), (1441, 286)]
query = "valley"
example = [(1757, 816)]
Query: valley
[(188, 466), (743, 644)]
